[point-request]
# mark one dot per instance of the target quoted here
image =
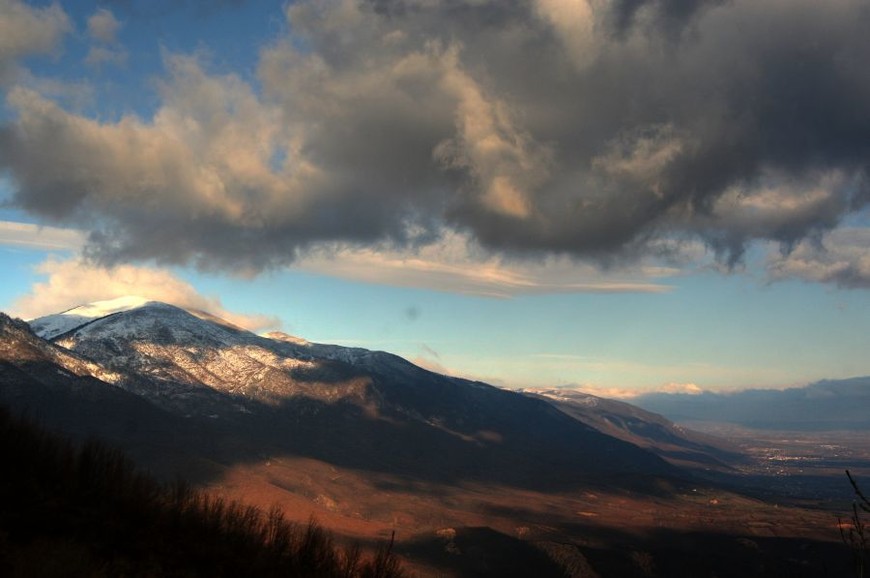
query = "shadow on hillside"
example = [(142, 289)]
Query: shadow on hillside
[(484, 552), (469, 434), (88, 511)]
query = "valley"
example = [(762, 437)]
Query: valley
[(808, 466), (439, 527)]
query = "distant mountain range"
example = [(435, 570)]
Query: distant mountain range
[(825, 405)]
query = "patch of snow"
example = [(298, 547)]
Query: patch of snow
[(572, 397), (51, 326)]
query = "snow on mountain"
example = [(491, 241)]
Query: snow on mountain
[(187, 359), (19, 344), (354, 406), (50, 326)]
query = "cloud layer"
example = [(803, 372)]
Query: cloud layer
[(600, 131)]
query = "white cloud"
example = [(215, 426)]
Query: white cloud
[(99, 55), (841, 258), (73, 282), (574, 24), (607, 392), (103, 26), (103, 29), (73, 94), (28, 30), (686, 388), (629, 394)]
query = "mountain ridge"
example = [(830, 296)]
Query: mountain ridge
[(346, 405), (643, 428)]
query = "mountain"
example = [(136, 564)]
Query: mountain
[(474, 480), (44, 379), (81, 398), (822, 406), (678, 445), (350, 407)]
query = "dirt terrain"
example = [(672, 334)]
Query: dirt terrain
[(460, 530)]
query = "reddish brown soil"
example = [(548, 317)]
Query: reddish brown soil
[(368, 507)]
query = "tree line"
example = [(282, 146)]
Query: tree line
[(86, 510)]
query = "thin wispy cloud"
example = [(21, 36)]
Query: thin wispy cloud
[(31, 236), (456, 264)]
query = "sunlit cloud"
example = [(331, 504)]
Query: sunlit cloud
[(72, 282), (685, 388), (103, 26), (103, 31), (26, 30), (840, 258)]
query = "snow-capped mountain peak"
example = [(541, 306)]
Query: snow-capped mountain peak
[(108, 306), (51, 326)]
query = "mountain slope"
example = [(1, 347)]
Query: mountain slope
[(62, 390), (643, 428), (350, 407)]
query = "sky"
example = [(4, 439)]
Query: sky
[(618, 195)]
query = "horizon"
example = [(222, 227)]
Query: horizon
[(620, 198), (109, 307)]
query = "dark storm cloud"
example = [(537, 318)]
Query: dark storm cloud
[(589, 129), (670, 16)]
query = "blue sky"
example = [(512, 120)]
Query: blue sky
[(624, 197)]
